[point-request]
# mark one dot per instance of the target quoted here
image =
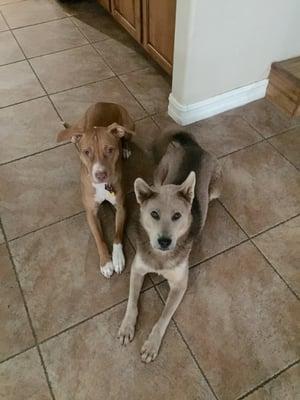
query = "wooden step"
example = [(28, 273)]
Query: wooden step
[(284, 85)]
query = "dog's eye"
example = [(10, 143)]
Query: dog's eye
[(176, 216), (87, 152), (155, 215), (109, 150)]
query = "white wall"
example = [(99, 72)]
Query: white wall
[(221, 45)]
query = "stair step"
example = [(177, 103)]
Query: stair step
[(284, 85)]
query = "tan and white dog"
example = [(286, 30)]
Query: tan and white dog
[(100, 137), (172, 214)]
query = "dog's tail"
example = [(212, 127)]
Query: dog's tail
[(185, 139), (160, 145)]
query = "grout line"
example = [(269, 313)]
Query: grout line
[(37, 23), (19, 353), (242, 148), (290, 162), (268, 380), (47, 226), (27, 311), (81, 85), (268, 262), (23, 101), (275, 270), (188, 347), (274, 226), (90, 317), (33, 154)]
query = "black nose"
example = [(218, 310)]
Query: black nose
[(164, 242)]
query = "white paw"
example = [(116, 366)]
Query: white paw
[(150, 348), (107, 270), (126, 332), (118, 258), (126, 153)]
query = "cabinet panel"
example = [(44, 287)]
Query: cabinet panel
[(159, 30), (128, 14)]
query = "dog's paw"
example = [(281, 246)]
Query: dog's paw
[(107, 270), (150, 348), (126, 153), (126, 332), (118, 258)]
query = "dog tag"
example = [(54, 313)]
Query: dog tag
[(110, 190)]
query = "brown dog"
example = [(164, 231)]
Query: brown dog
[(99, 136)]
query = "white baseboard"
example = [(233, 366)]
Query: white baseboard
[(187, 114)]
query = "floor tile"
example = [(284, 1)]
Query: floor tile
[(93, 362), (22, 377), (147, 132), (246, 325), (31, 12), (39, 190), (286, 386), (219, 233), (15, 333), (18, 83), (281, 246), (261, 188), (70, 68), (72, 104), (99, 27), (3, 25), (62, 282), (288, 144), (150, 88), (265, 117), (123, 56), (27, 128), (9, 49), (49, 37), (219, 135), (165, 122), (224, 134)]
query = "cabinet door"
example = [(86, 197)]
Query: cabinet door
[(105, 4), (159, 30), (128, 14)]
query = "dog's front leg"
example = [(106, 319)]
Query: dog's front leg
[(151, 346), (118, 255), (126, 331), (106, 266)]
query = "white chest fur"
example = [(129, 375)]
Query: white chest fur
[(102, 194)]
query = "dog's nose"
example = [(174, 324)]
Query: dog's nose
[(164, 242), (100, 176)]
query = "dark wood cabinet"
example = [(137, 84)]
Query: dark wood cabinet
[(151, 23), (128, 14)]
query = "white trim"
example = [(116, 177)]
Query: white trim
[(187, 114)]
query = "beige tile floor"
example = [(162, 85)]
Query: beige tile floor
[(236, 333)]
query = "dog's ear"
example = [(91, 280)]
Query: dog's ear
[(187, 188), (142, 190), (71, 134), (120, 131)]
